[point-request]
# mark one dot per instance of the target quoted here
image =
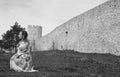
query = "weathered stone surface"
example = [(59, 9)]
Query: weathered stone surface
[(34, 32), (95, 31)]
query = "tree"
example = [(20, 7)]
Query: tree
[(10, 38), (1, 44)]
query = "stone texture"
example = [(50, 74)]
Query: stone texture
[(34, 32), (95, 31)]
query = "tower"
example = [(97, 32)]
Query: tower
[(34, 32)]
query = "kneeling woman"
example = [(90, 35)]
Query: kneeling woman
[(22, 60)]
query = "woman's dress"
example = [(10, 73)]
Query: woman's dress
[(22, 60)]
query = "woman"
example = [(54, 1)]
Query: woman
[(22, 60)]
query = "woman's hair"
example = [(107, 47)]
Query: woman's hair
[(24, 34)]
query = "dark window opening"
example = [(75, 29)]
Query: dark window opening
[(66, 32)]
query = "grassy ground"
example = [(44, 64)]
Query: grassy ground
[(66, 64)]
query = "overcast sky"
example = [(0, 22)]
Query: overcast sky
[(47, 13)]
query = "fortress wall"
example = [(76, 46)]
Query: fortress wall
[(95, 31)]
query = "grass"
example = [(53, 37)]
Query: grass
[(66, 64)]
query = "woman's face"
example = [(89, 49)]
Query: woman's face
[(20, 35)]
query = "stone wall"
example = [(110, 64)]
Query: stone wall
[(34, 32), (95, 31)]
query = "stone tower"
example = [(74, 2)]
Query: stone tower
[(34, 32)]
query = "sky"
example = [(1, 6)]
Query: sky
[(46, 13)]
